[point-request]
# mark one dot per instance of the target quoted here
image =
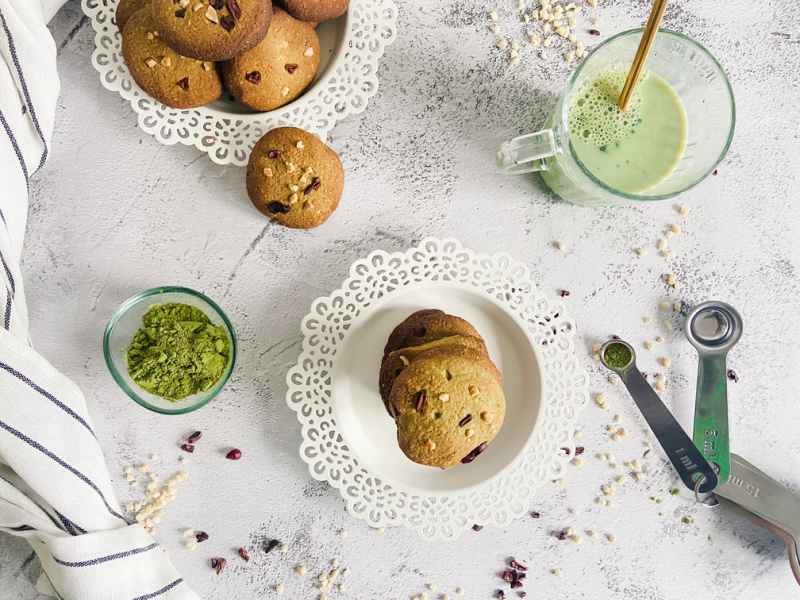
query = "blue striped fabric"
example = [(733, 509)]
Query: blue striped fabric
[(55, 490)]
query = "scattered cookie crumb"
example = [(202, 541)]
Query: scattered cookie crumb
[(611, 538)]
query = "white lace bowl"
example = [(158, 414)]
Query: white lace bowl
[(348, 438), (350, 49)]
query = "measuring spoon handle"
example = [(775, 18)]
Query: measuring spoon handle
[(711, 413), (682, 453)]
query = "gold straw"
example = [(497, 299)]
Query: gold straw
[(650, 31)]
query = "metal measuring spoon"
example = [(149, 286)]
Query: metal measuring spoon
[(682, 453), (754, 495), (713, 328)]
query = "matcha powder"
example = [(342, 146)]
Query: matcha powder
[(177, 352)]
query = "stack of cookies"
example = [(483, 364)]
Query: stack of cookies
[(182, 52), (442, 389)]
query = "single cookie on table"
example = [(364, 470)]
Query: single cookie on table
[(127, 8), (316, 11), (278, 69), (399, 359), (167, 76), (448, 406), (427, 326), (213, 30), (294, 178)]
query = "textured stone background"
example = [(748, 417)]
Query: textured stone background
[(115, 212)]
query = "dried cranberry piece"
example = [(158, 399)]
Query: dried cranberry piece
[(501, 594), (218, 564), (422, 401), (278, 207), (254, 77), (564, 293), (243, 553), (477, 527), (616, 337), (515, 565), (419, 332), (290, 68), (187, 448), (314, 186), (508, 576), (234, 454), (275, 153), (227, 23), (465, 420), (217, 4), (594, 32), (271, 545), (561, 536), (535, 515), (474, 454), (194, 437), (522, 594), (644, 374), (715, 172), (184, 83), (732, 375), (180, 13), (566, 451), (236, 12), (201, 537), (579, 450), (516, 584)]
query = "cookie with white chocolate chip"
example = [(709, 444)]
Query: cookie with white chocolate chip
[(212, 30), (426, 326), (278, 69), (448, 406), (316, 11), (294, 178), (167, 76), (398, 360), (126, 9)]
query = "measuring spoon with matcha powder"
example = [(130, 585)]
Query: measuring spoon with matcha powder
[(688, 461), (713, 328)]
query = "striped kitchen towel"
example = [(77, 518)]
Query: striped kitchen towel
[(55, 490)]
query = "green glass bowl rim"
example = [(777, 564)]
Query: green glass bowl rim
[(123, 308), (720, 158)]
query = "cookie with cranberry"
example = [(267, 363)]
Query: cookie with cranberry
[(448, 406), (316, 11), (294, 178), (426, 326), (279, 69), (213, 30), (167, 76), (127, 8), (399, 359)]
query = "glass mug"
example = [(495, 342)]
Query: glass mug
[(699, 82)]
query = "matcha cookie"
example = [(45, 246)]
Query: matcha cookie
[(127, 8), (316, 11), (212, 29), (399, 359), (279, 69), (448, 406), (427, 326), (294, 178), (168, 77)]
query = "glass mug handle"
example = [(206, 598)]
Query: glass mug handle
[(523, 154)]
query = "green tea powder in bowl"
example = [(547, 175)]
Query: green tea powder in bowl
[(177, 352)]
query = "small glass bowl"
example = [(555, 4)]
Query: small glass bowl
[(127, 320)]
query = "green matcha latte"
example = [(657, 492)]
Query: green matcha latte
[(177, 352)]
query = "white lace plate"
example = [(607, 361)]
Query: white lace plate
[(347, 78), (349, 440)]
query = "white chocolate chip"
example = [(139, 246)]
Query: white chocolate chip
[(469, 433), (600, 398), (406, 362), (662, 243), (444, 397), (611, 538), (431, 445), (502, 44), (494, 29), (211, 15), (649, 345), (558, 572), (279, 588), (285, 91), (577, 462), (493, 16), (150, 63), (301, 570), (668, 325), (309, 51), (684, 210), (664, 304)]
